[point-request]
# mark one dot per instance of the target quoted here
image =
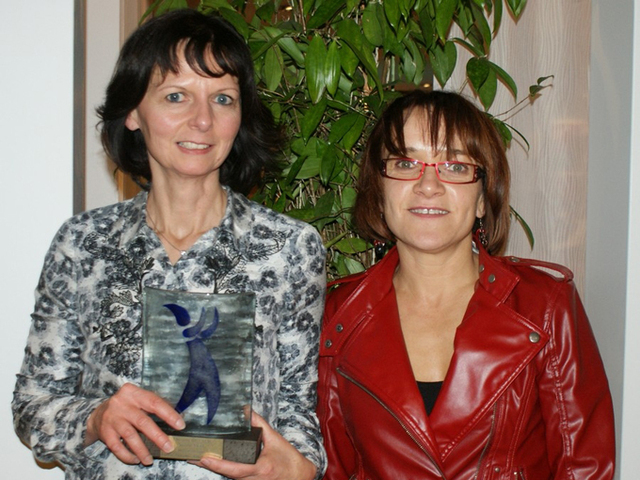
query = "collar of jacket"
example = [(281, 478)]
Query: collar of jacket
[(132, 226), (493, 344)]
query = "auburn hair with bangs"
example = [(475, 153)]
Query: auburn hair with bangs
[(448, 117)]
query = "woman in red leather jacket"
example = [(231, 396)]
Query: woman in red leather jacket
[(444, 360)]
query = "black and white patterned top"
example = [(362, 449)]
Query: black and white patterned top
[(85, 339)]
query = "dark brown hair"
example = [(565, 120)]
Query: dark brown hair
[(157, 45), (449, 116)]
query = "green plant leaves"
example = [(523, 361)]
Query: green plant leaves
[(372, 27), (314, 66), (324, 12), (332, 68), (273, 64), (443, 61), (427, 27), (481, 23), (535, 89), (524, 225), (516, 6), (237, 20), (327, 69), (161, 6), (352, 245), (392, 11), (350, 33), (444, 17), (483, 76), (312, 118)]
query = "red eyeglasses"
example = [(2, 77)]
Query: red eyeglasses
[(448, 172)]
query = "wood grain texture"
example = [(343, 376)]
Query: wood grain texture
[(549, 181)]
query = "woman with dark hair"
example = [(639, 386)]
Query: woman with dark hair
[(183, 118), (445, 360)]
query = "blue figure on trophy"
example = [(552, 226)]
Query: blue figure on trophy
[(203, 372)]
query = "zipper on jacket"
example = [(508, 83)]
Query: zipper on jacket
[(486, 446), (404, 427)]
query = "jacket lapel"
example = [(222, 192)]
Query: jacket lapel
[(375, 356), (491, 348)]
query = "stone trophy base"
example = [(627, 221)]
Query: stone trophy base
[(239, 447)]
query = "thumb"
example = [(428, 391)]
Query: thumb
[(267, 432), (258, 421)]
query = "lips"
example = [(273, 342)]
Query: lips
[(194, 146), (428, 211)]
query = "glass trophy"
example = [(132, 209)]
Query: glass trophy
[(198, 355)]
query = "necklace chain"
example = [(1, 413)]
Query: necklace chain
[(155, 229)]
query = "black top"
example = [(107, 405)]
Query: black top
[(429, 392)]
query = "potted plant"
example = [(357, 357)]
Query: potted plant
[(327, 68)]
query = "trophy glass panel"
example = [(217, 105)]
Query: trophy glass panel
[(197, 355)]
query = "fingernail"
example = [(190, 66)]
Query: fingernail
[(209, 461), (148, 460), (169, 446), (180, 424)]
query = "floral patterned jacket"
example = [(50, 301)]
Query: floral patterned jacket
[(85, 339)]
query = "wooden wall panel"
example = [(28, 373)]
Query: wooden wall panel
[(549, 187)]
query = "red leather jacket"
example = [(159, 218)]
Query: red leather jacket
[(525, 396)]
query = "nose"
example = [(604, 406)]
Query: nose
[(429, 183), (202, 115)]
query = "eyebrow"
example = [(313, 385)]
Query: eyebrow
[(456, 151)]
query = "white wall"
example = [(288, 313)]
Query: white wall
[(608, 247), (36, 126), (102, 44), (630, 464)]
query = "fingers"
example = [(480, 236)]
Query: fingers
[(278, 459), (152, 403), (258, 421), (119, 421), (230, 469)]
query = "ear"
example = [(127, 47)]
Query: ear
[(132, 122), (480, 207)]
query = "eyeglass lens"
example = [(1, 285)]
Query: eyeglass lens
[(409, 169)]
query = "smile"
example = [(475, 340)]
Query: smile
[(194, 146), (428, 211)]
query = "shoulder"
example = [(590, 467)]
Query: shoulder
[(258, 211), (257, 220), (100, 220), (536, 270), (338, 291), (362, 289), (527, 284)]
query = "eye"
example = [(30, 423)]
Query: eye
[(175, 97), (457, 168), (404, 164), (224, 99)]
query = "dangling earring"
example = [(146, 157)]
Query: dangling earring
[(379, 249), (482, 233)]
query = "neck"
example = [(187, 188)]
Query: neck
[(435, 276), (180, 218), (183, 213)]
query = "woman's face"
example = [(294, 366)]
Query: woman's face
[(428, 215), (189, 122)]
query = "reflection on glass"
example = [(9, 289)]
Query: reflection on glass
[(198, 355)]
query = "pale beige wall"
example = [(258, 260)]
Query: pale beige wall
[(108, 24), (102, 45)]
